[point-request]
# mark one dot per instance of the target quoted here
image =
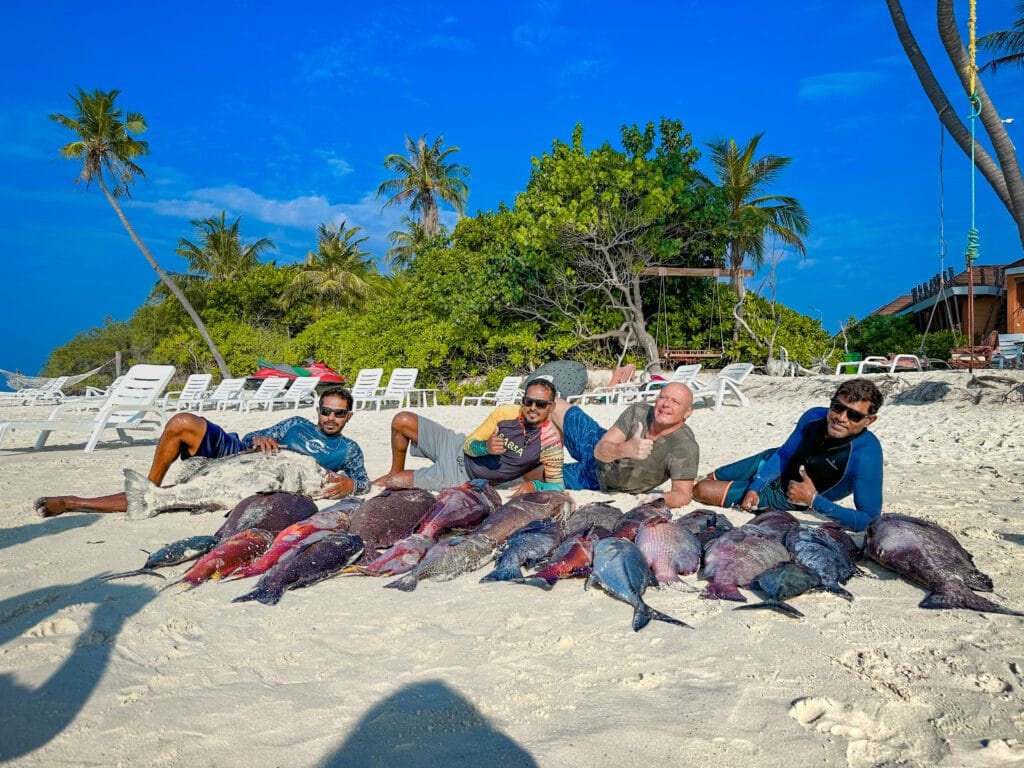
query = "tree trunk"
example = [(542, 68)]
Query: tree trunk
[(430, 218), (736, 278), (166, 279)]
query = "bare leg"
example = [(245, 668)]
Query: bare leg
[(710, 490), (558, 413), (182, 430), (404, 429)]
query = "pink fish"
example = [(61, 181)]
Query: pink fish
[(573, 557), (460, 507), (228, 556), (402, 557), (668, 548), (292, 537)]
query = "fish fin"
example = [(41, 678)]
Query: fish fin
[(406, 583), (510, 572), (643, 614), (136, 488), (545, 583), (681, 586), (775, 605), (835, 589), (136, 572), (176, 583), (964, 598), (716, 591), (592, 580)]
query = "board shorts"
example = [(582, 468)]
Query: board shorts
[(444, 447), (740, 474), (216, 444), (581, 435)]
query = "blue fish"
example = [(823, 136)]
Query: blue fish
[(173, 554), (526, 547), (781, 582), (821, 553), (620, 569)]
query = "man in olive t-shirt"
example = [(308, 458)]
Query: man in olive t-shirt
[(646, 446)]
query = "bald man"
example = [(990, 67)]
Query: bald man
[(646, 446)]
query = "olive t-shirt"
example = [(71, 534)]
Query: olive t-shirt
[(674, 456)]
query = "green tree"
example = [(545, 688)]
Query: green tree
[(753, 214), (425, 175), (108, 150), (334, 277), (219, 255), (1007, 45), (405, 244)]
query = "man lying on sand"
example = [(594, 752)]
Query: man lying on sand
[(646, 446), (512, 441), (830, 449), (187, 435)]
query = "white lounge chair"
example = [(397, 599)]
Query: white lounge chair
[(507, 392), (302, 389), (726, 381), (684, 374), (93, 392), (1009, 354), (620, 387), (191, 395), (132, 406), (367, 384), (271, 390), (37, 395), (400, 383), (228, 394), (879, 364)]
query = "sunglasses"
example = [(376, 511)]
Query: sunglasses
[(855, 416), (341, 413), (528, 401)]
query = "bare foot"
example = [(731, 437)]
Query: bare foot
[(51, 506)]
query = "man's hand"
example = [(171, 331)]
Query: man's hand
[(265, 444), (637, 447), (338, 486), (496, 444), (527, 487), (750, 501), (802, 492)]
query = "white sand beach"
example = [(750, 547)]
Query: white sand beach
[(346, 673)]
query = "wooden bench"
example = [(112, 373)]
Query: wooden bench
[(687, 356)]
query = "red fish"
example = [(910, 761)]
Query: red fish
[(573, 558), (229, 555), (461, 507), (402, 557), (292, 537)]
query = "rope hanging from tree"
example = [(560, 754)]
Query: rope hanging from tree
[(973, 238)]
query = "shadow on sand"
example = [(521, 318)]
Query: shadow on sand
[(31, 716), (12, 537), (427, 724)]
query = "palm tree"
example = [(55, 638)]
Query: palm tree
[(405, 244), (335, 275), (220, 255), (107, 148), (425, 175), (1006, 45), (752, 214)]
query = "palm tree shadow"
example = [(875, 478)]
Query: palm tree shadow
[(11, 537), (425, 725), (32, 716)]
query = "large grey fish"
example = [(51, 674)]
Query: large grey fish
[(927, 554), (821, 553), (737, 558), (517, 512), (525, 548), (620, 569), (267, 511), (321, 556), (669, 548), (597, 513), (212, 484), (176, 552), (780, 583), (446, 560), (461, 507), (391, 515)]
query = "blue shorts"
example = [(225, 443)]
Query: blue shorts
[(216, 444), (581, 435), (740, 475)]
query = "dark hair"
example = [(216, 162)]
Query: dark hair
[(857, 390), (341, 392), (539, 382)]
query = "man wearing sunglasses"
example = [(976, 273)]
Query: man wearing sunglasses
[(513, 441), (187, 435), (830, 455)]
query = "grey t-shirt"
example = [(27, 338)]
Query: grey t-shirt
[(674, 456)]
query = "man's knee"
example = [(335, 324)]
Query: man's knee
[(185, 427), (405, 423)]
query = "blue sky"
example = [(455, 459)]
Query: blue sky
[(283, 113)]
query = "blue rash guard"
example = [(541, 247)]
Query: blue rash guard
[(337, 454), (837, 468)]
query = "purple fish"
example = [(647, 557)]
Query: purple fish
[(271, 512), (401, 558), (460, 507), (517, 512), (737, 558), (669, 549), (389, 516)]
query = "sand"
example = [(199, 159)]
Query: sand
[(349, 674)]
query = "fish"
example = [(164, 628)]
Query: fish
[(267, 511), (573, 557), (446, 560), (620, 569), (459, 508), (213, 484), (526, 547), (705, 524), (669, 548), (232, 553), (737, 558), (517, 512), (389, 516), (774, 522), (400, 558), (629, 523), (838, 533), (819, 552), (322, 555), (599, 513), (780, 583), (929, 555), (333, 518), (176, 552)]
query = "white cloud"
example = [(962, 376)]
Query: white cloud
[(839, 84)]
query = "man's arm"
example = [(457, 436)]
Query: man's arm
[(867, 492), (772, 468), (277, 431), (354, 468), (476, 443), (614, 446), (680, 493)]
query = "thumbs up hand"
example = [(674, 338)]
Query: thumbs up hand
[(802, 491), (495, 444), (638, 447)]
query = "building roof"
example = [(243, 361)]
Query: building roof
[(895, 306)]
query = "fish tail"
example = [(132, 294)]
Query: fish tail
[(406, 583), (716, 591), (261, 595), (137, 489), (964, 598), (774, 605), (643, 614), (835, 589), (136, 572), (507, 572), (545, 583)]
